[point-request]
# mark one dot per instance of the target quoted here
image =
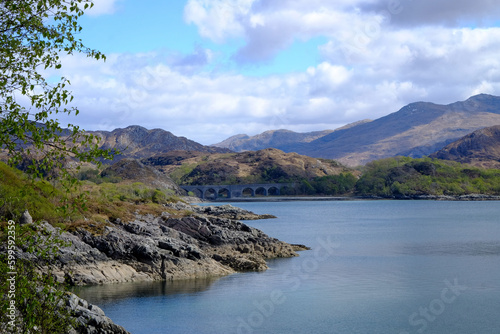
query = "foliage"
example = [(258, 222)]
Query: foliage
[(39, 298), (95, 176), (334, 184), (329, 185), (17, 194), (180, 174), (34, 34), (274, 174), (403, 177)]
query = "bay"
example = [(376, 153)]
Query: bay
[(374, 267)]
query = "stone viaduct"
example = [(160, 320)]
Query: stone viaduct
[(237, 190)]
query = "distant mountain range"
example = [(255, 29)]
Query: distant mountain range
[(276, 139), (417, 129), (137, 142), (480, 148), (272, 138)]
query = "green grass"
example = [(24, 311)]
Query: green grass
[(18, 193), (94, 205)]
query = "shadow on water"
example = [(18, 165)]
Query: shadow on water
[(110, 293)]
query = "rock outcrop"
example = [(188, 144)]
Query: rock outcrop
[(90, 319), (230, 212), (166, 248)]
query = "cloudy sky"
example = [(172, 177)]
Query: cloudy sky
[(210, 69)]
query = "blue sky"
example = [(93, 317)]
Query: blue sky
[(162, 27), (141, 26), (210, 69)]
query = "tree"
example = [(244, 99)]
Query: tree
[(34, 34)]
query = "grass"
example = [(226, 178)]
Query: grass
[(93, 206)]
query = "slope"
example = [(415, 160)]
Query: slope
[(416, 130), (480, 148), (264, 166), (267, 139), (137, 142)]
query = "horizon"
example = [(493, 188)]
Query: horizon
[(208, 70)]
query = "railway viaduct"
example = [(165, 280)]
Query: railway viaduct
[(237, 190)]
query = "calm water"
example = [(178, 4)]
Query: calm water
[(375, 267)]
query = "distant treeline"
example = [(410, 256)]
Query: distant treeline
[(402, 177)]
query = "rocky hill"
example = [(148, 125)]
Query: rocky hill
[(269, 165), (480, 148), (138, 142)]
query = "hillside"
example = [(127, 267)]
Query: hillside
[(269, 165), (280, 139), (137, 142), (272, 138), (416, 130), (480, 148), (426, 178), (134, 171)]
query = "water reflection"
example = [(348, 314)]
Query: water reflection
[(110, 293)]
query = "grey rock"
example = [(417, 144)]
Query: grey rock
[(90, 319), (157, 248), (229, 211), (161, 247), (25, 218)]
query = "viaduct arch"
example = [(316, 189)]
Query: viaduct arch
[(237, 190)]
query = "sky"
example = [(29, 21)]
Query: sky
[(211, 69)]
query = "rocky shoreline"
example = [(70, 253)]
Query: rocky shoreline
[(209, 242)]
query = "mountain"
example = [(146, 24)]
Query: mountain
[(416, 130), (264, 166), (279, 139), (138, 142), (272, 138), (480, 148)]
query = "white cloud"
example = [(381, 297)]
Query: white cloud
[(218, 19), (371, 65), (269, 27)]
